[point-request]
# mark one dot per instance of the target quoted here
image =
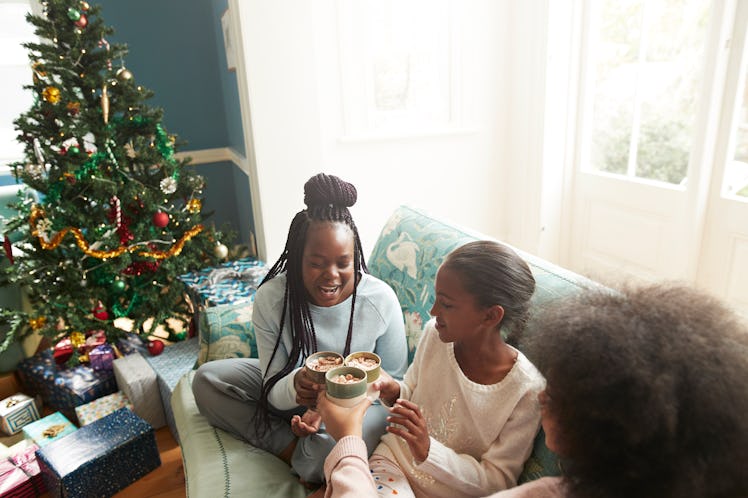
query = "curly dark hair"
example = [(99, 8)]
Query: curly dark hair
[(495, 274), (648, 390), (327, 199)]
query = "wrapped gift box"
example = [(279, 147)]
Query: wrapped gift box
[(130, 344), (137, 380), (101, 407), (62, 388), (14, 481), (101, 458), (17, 411), (232, 282), (23, 456), (170, 366), (101, 357), (48, 429)]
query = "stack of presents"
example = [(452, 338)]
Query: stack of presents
[(99, 435)]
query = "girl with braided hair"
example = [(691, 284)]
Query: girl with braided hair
[(318, 296)]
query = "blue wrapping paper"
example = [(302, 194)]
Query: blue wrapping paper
[(64, 388), (175, 361), (37, 431), (130, 344), (228, 283), (101, 458)]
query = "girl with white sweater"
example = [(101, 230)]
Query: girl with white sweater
[(463, 419)]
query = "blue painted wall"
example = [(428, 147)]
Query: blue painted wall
[(176, 49)]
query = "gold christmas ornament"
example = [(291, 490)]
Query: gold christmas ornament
[(221, 251), (37, 323), (51, 94), (77, 339), (124, 74), (105, 104), (194, 206)]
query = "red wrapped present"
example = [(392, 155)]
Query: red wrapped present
[(63, 351), (14, 482), (25, 459)]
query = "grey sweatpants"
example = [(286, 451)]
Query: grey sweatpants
[(227, 393)]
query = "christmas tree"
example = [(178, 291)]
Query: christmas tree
[(119, 216)]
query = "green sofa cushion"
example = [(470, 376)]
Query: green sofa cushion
[(226, 331)]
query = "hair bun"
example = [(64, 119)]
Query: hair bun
[(329, 190)]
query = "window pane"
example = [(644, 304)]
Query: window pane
[(646, 63)]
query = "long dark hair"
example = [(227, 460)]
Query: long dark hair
[(327, 199)]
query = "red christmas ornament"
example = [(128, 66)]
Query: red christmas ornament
[(160, 219), (82, 21), (155, 347), (100, 312), (8, 249)]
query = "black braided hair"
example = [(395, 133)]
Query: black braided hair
[(327, 198)]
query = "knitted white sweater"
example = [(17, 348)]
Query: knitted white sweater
[(481, 435)]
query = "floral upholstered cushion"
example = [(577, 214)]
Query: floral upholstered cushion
[(226, 331), (406, 256)]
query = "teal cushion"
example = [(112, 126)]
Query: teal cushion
[(542, 462), (226, 331), (410, 249), (406, 256)]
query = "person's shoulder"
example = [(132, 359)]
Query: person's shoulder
[(269, 292), (372, 287), (529, 373)]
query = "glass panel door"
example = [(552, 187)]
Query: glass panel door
[(644, 70)]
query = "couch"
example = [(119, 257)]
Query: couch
[(406, 255)]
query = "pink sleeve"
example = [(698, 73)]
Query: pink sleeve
[(347, 470)]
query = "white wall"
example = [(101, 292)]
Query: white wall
[(290, 54)]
